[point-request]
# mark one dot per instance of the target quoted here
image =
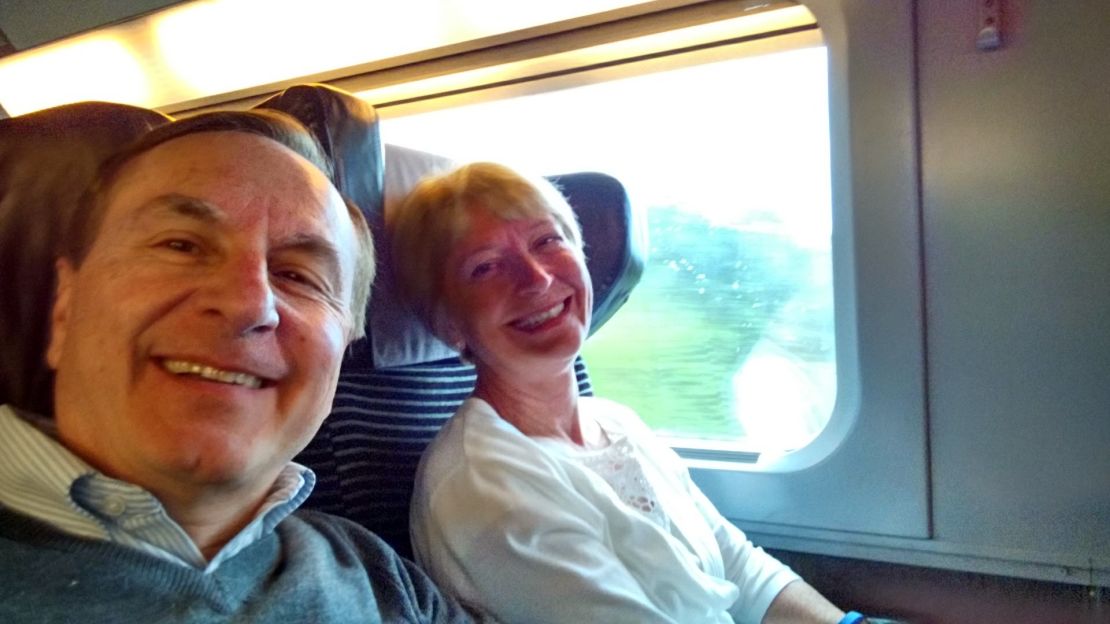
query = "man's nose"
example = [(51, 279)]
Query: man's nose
[(532, 275), (242, 294)]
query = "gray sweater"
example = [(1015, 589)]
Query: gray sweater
[(313, 568)]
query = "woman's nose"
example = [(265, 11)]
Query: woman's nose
[(533, 276), (241, 293)]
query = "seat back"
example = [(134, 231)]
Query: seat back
[(47, 159)]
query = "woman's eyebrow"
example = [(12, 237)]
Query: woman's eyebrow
[(543, 224)]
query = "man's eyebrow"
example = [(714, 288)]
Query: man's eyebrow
[(316, 247), (181, 205), (310, 244)]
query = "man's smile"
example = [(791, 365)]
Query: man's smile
[(211, 373)]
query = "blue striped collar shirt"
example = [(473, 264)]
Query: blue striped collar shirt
[(42, 479)]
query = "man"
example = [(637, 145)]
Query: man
[(205, 297)]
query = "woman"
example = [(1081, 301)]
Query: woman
[(534, 503)]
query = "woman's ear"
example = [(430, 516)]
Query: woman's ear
[(454, 336), (447, 330)]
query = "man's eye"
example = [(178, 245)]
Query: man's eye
[(181, 245), (300, 278), (293, 276)]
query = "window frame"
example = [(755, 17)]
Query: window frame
[(867, 472)]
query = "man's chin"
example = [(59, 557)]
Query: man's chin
[(223, 465)]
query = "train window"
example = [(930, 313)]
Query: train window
[(726, 148)]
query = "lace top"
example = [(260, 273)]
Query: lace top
[(619, 465)]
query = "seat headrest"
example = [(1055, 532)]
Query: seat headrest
[(396, 336), (614, 236), (347, 129), (47, 159)]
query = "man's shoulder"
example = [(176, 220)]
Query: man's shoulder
[(322, 546), (306, 523), (317, 541)]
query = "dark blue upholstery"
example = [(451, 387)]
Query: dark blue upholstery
[(611, 235)]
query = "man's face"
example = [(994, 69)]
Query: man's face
[(199, 342)]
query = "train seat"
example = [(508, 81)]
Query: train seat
[(397, 386)]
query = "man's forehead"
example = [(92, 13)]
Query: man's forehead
[(231, 176), (233, 165), (214, 149)]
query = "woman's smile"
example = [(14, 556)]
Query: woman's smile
[(535, 321)]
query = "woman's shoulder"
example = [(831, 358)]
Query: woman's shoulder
[(467, 433), (614, 417), (477, 445)]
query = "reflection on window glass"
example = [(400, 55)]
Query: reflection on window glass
[(729, 336)]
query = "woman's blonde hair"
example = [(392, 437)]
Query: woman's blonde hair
[(436, 214)]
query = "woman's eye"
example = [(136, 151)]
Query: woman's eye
[(549, 239), (482, 269)]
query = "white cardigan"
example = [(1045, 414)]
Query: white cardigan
[(518, 527)]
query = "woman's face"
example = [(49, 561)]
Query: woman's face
[(517, 293)]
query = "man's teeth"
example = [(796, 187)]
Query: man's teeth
[(180, 367), (546, 315)]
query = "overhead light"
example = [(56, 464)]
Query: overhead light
[(208, 51), (96, 66), (745, 26)]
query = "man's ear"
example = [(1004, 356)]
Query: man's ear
[(59, 313)]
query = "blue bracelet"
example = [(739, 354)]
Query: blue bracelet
[(852, 617)]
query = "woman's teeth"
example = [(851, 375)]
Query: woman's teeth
[(181, 367), (538, 319)]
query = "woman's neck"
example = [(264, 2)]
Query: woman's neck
[(539, 408)]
